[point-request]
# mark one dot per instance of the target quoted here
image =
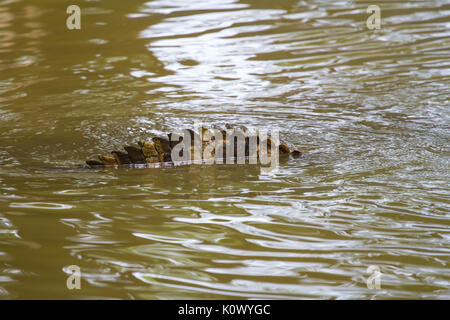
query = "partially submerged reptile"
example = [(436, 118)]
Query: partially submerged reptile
[(223, 147)]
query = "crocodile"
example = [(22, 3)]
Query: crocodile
[(223, 144)]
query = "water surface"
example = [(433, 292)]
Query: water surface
[(369, 107)]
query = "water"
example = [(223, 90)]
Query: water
[(369, 107)]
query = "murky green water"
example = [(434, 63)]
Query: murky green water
[(370, 107)]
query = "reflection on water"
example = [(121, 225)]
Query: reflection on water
[(369, 107)]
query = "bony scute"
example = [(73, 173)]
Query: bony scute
[(232, 144)]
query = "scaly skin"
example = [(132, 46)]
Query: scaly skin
[(158, 152)]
